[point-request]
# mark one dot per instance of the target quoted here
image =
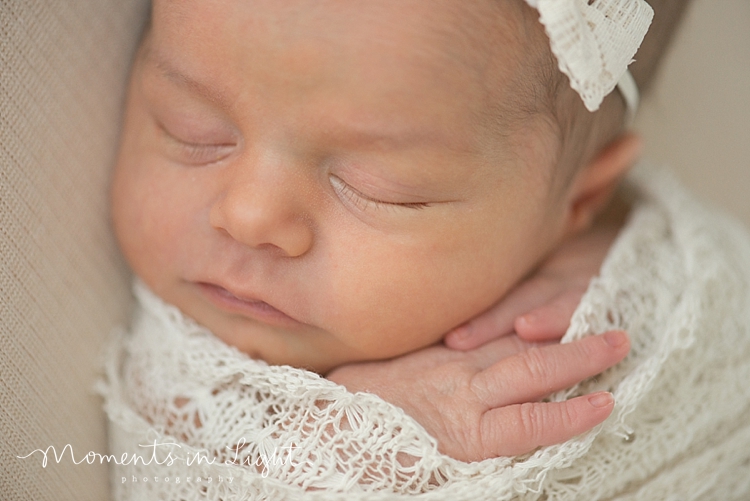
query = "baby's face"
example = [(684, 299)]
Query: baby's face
[(319, 182)]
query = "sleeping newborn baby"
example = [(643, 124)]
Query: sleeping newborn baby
[(311, 188)]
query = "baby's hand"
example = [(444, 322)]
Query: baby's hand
[(540, 308), (484, 403)]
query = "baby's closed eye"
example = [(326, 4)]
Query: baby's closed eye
[(190, 131), (181, 148), (361, 201)]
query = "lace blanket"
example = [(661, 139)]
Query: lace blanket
[(192, 418)]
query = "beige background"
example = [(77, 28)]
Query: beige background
[(697, 119), (62, 284)]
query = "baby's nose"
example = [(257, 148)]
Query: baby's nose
[(264, 209)]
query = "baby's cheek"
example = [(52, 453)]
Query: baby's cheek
[(141, 225), (140, 198), (394, 307), (126, 215)]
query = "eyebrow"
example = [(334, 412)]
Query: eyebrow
[(399, 139), (171, 72), (376, 137)]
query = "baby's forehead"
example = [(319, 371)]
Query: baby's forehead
[(467, 32), (486, 39), (463, 55)]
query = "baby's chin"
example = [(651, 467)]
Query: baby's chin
[(322, 354), (308, 348), (264, 334), (324, 360)]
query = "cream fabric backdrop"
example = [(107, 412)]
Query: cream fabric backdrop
[(63, 66), (62, 285), (697, 119)]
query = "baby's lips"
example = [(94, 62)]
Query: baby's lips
[(247, 305)]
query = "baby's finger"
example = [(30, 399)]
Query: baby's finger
[(537, 372), (498, 320), (518, 429), (549, 321), (492, 352)]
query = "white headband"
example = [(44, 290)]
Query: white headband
[(594, 41)]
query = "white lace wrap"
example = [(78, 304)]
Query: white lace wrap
[(594, 41), (677, 279)]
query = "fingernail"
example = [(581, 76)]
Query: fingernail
[(602, 399), (615, 339), (461, 332), (529, 318)]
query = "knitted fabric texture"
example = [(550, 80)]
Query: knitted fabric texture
[(594, 41), (677, 279), (63, 69)]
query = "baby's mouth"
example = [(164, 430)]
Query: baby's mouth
[(246, 306)]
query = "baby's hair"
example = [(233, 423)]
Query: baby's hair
[(583, 133), (539, 89)]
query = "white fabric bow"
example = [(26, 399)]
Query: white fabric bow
[(594, 41)]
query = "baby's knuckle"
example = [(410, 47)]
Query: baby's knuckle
[(488, 439), (535, 364), (569, 417), (531, 421), (591, 350)]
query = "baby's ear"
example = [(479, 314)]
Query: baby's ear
[(594, 184)]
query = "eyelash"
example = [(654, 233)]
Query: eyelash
[(198, 153), (359, 199), (363, 202)]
